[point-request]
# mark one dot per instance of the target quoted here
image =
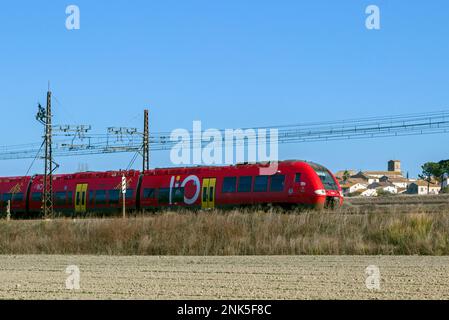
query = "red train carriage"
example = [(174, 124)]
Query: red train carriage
[(294, 183), (15, 190), (86, 192)]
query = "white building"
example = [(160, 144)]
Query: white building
[(423, 187), (390, 189), (398, 182), (350, 187), (369, 193), (368, 179), (375, 188)]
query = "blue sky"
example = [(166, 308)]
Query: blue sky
[(229, 64)]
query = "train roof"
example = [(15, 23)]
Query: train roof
[(13, 179), (92, 175), (166, 170), (174, 170)]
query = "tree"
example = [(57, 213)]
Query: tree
[(444, 170), (383, 193), (346, 175), (430, 170)]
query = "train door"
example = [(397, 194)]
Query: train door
[(298, 185), (80, 198), (212, 182), (208, 193)]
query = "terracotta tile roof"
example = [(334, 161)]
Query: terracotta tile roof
[(352, 181), (423, 183), (342, 172), (396, 179), (384, 173), (380, 184)]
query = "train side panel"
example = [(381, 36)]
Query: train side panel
[(15, 190), (87, 192), (294, 183)]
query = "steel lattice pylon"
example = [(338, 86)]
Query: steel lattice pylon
[(47, 192), (146, 149)]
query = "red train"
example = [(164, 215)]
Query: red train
[(295, 183)]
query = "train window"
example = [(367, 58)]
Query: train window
[(100, 197), (178, 195), (91, 197), (327, 180), (325, 177), (36, 196), (297, 178), (245, 184), (148, 193), (17, 197), (229, 184), (6, 197), (59, 198), (204, 194), (211, 194), (129, 193), (163, 195), (261, 184), (277, 183), (69, 198), (113, 196)]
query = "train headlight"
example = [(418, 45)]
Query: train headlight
[(320, 192)]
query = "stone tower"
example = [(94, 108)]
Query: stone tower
[(394, 165)]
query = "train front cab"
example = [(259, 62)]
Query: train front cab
[(330, 193)]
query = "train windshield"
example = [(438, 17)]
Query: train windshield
[(325, 177)]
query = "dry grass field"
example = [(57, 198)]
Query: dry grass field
[(231, 277), (346, 231), (429, 202)]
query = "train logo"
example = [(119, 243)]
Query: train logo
[(16, 188), (175, 183)]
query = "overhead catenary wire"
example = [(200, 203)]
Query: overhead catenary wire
[(133, 160), (361, 128), (34, 160)]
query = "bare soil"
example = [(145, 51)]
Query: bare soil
[(219, 277)]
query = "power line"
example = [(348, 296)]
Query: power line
[(77, 140), (35, 158)]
